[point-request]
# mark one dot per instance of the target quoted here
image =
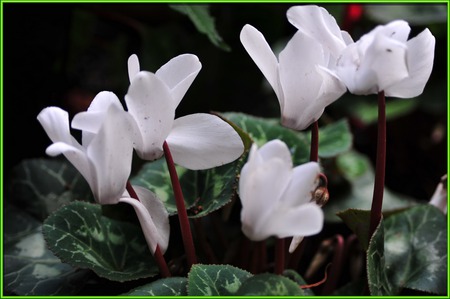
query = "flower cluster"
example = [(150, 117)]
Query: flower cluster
[(318, 65), (320, 62), (109, 134)]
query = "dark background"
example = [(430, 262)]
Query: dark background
[(64, 54)]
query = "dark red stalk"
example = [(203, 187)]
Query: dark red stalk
[(380, 168), (159, 257), (181, 209), (336, 266), (314, 153), (280, 259)]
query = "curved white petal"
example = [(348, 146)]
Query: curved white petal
[(91, 120), (201, 141), (260, 196), (331, 89), (296, 240), (110, 151), (178, 74), (133, 67), (398, 30), (316, 22), (303, 182), (386, 57), (55, 122), (151, 105), (153, 218), (261, 53), (304, 220), (78, 158), (276, 149), (419, 59), (298, 76)]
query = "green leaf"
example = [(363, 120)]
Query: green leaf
[(41, 186), (155, 177), (409, 250), (269, 285), (334, 139), (30, 269), (203, 21), (215, 280), (217, 187), (367, 111), (207, 190), (352, 165), (171, 286), (262, 130), (358, 221), (80, 236), (298, 279)]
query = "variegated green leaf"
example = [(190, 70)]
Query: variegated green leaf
[(81, 236), (269, 285), (171, 286), (41, 186), (409, 250), (262, 130), (30, 268), (215, 280)]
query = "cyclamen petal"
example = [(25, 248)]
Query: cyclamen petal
[(151, 105), (276, 198), (419, 61), (153, 217), (178, 74), (383, 60), (197, 141), (105, 161), (295, 75), (202, 141), (317, 23)]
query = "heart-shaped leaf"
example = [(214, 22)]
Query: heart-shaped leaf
[(171, 286), (30, 269), (41, 186), (409, 250), (215, 280), (269, 285), (81, 236), (334, 139)]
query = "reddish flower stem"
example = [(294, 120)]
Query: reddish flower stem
[(336, 266), (159, 257), (280, 259), (314, 153), (380, 168), (181, 208)]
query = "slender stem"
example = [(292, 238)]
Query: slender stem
[(159, 257), (280, 255), (336, 266), (181, 209), (131, 191), (314, 153), (380, 168), (296, 256)]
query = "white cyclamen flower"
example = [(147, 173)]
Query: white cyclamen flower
[(301, 76), (385, 60), (104, 159), (276, 197), (196, 141)]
